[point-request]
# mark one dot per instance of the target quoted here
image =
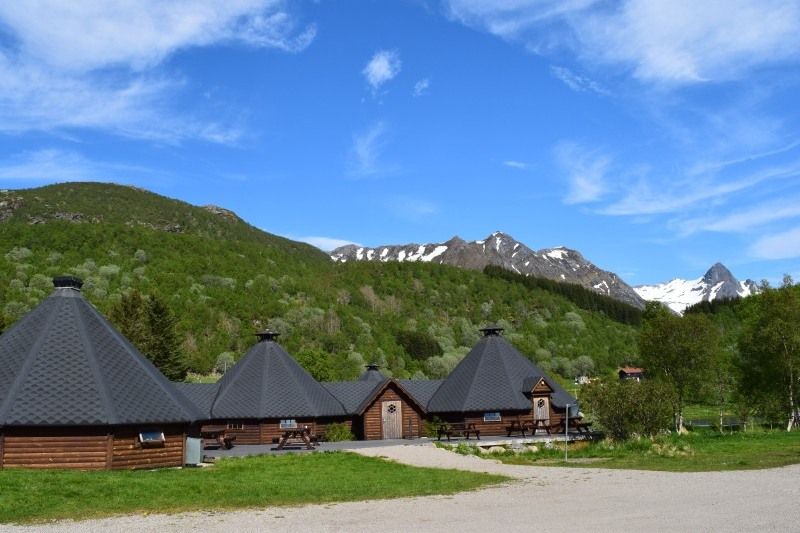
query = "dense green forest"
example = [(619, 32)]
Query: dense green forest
[(224, 279)]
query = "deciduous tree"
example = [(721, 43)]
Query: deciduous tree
[(770, 350)]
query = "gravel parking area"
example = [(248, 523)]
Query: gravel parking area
[(539, 497)]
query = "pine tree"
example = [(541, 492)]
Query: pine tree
[(163, 347), (150, 326), (129, 315)]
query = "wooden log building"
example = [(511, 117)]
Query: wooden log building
[(494, 383), (265, 393), (74, 393)]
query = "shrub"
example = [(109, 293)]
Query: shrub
[(419, 344), (337, 432), (625, 409)]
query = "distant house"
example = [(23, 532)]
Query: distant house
[(630, 373), (74, 393)]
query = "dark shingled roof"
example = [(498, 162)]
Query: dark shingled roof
[(353, 394), (200, 394), (372, 374), (267, 383), (63, 364), (421, 389), (492, 377)]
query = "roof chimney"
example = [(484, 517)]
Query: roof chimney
[(267, 335), (67, 282), (492, 331)]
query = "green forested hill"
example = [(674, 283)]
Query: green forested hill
[(225, 279)]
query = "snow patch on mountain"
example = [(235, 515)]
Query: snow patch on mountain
[(500, 249), (678, 294)]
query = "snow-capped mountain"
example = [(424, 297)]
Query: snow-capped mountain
[(499, 249), (717, 283)]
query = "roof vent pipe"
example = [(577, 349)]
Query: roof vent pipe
[(67, 282), (492, 331), (267, 335)]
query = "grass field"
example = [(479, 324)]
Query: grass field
[(695, 452), (29, 495)]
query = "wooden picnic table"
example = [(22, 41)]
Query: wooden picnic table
[(456, 429), (298, 436), (517, 426), (217, 436)]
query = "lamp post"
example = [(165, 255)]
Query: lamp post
[(566, 429)]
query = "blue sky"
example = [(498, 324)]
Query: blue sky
[(656, 137)]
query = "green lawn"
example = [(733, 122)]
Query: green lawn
[(30, 495), (695, 452)]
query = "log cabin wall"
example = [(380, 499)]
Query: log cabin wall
[(246, 431), (411, 416), (490, 429), (79, 448), (129, 454)]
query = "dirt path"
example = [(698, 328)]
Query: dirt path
[(539, 497)]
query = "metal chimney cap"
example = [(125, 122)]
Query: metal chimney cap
[(67, 282), (492, 331), (267, 335)]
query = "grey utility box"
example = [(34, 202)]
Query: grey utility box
[(194, 451)]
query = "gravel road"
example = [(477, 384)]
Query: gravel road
[(538, 498)]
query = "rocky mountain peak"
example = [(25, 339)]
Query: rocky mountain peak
[(503, 250), (717, 283)]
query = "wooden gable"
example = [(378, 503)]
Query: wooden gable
[(541, 388)]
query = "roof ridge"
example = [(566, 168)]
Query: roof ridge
[(27, 363), (105, 395)]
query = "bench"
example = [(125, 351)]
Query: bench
[(457, 429)]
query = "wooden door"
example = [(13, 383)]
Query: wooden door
[(541, 409), (392, 418)]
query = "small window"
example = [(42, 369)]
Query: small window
[(289, 423), (492, 417), (540, 404), (152, 439), (235, 425)]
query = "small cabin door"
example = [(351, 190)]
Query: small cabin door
[(392, 417), (541, 409)]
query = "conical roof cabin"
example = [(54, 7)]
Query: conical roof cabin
[(493, 376), (68, 376), (268, 383)]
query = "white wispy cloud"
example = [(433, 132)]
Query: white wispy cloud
[(672, 41), (381, 68), (684, 41), (326, 244), (412, 208), (99, 67), (577, 82), (421, 87), (366, 151), (741, 220), (53, 165), (783, 245), (511, 163), (655, 197), (585, 171)]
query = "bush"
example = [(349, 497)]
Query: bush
[(419, 344), (337, 432), (624, 409)]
